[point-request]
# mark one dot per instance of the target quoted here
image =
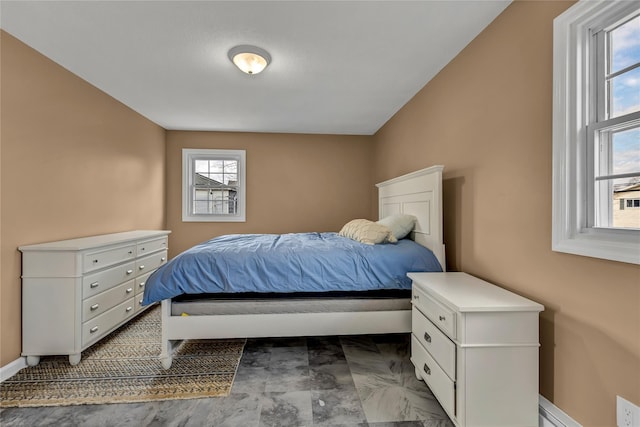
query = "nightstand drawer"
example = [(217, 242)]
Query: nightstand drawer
[(440, 315), (437, 380), (441, 348)]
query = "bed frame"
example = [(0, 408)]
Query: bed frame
[(418, 193)]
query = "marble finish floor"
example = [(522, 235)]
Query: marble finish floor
[(315, 381)]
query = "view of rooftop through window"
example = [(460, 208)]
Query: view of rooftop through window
[(222, 171), (622, 79), (215, 186)]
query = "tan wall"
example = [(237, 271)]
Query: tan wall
[(75, 162), (295, 183), (487, 118)]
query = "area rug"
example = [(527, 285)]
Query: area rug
[(124, 367)]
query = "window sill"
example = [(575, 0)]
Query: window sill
[(213, 218), (614, 245)]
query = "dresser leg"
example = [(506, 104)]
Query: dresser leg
[(74, 359), (418, 375), (166, 361), (33, 360)]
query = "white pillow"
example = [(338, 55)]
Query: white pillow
[(400, 224), (369, 232)]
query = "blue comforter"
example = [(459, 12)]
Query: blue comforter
[(301, 262)]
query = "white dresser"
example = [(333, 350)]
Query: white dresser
[(74, 292), (476, 347)]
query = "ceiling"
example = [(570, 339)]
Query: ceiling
[(338, 67)]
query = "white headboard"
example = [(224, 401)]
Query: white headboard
[(420, 194)]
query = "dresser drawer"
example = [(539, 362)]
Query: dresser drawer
[(138, 304), (441, 348), (150, 246), (101, 259), (150, 263), (95, 283), (440, 315), (437, 380), (98, 304), (140, 282), (95, 328)]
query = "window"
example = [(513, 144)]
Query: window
[(213, 185), (596, 130), (633, 203)]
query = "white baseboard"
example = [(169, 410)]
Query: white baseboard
[(7, 371), (549, 415)]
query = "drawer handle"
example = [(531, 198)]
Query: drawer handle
[(164, 243), (416, 296), (95, 261), (129, 272), (442, 318), (93, 330), (142, 248), (426, 369), (130, 252), (140, 302), (129, 290), (129, 309), (427, 337), (141, 267), (94, 285), (162, 259), (141, 285), (94, 307)]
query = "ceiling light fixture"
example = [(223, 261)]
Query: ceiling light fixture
[(249, 59)]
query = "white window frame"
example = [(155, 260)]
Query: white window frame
[(189, 156), (573, 205)]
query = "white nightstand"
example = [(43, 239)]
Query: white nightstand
[(476, 347)]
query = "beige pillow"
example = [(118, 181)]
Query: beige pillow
[(369, 232)]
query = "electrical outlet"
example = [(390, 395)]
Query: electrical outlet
[(627, 414)]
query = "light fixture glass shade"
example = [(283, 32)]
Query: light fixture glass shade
[(249, 59)]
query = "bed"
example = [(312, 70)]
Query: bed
[(331, 312)]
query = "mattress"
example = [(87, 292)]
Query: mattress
[(296, 303)]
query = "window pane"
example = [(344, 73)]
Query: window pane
[(626, 152), (624, 93), (202, 166), (230, 166), (217, 177), (625, 159), (625, 45), (625, 216)]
